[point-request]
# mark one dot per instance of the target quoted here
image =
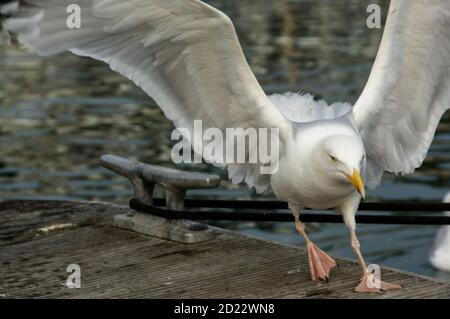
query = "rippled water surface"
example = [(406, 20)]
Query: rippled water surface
[(59, 114)]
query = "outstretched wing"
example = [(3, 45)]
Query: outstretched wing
[(408, 89), (183, 53)]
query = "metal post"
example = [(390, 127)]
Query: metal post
[(143, 178)]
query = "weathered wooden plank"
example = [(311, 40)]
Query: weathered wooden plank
[(116, 263)]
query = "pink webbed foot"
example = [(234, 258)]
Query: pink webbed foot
[(369, 283), (320, 263)]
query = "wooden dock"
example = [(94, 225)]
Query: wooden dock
[(39, 239)]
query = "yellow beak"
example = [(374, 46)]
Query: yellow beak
[(356, 181)]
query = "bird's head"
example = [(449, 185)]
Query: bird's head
[(342, 158)]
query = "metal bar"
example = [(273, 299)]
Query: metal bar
[(287, 217), (271, 204)]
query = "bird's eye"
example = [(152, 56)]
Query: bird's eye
[(333, 159)]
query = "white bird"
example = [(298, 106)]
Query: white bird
[(186, 55), (440, 254)]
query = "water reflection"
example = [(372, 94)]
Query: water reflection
[(58, 115)]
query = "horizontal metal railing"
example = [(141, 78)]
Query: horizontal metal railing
[(271, 216)]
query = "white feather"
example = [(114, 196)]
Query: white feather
[(302, 108), (184, 54), (409, 87)]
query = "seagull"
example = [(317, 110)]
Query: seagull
[(440, 254), (185, 54)]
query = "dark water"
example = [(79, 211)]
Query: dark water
[(59, 114)]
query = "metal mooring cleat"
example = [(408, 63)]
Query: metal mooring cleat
[(143, 178)]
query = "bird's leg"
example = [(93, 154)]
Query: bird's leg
[(320, 263), (357, 249), (369, 282)]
